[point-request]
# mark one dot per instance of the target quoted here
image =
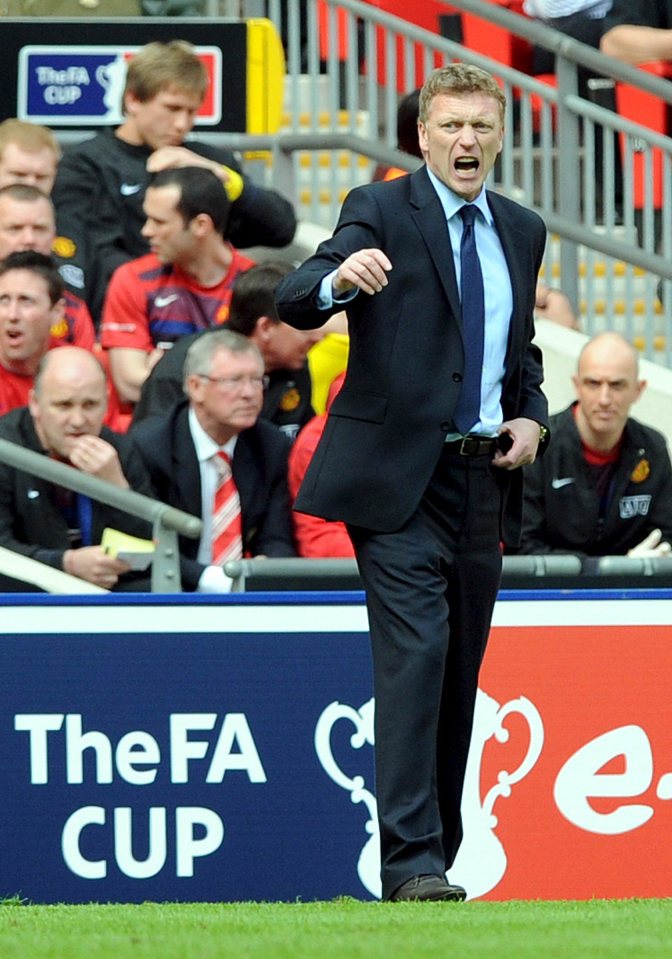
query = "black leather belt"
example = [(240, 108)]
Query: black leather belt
[(473, 445)]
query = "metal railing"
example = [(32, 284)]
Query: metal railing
[(167, 522), (608, 259), (612, 255), (534, 571)]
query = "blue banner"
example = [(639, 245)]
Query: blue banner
[(145, 766)]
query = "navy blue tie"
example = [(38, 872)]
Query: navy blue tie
[(468, 409)]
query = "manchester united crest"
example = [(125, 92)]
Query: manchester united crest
[(290, 399), (641, 471)]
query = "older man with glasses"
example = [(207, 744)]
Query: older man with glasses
[(213, 457)]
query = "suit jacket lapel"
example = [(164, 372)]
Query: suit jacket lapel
[(431, 222), (187, 471)]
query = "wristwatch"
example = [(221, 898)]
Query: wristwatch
[(543, 433)]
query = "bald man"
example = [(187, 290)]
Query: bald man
[(605, 486), (64, 420)]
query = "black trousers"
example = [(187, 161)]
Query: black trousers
[(431, 588)]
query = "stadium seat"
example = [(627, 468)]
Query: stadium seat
[(495, 41), (652, 112)]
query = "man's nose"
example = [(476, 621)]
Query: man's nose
[(11, 310), (467, 134), (77, 417), (182, 121), (27, 238)]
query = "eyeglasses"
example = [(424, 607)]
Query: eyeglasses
[(235, 383)]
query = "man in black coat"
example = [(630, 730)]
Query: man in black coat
[(64, 420), (223, 379), (605, 488), (427, 502)]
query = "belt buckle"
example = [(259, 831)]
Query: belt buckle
[(468, 446)]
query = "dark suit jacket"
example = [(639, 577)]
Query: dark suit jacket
[(388, 424), (165, 445), (30, 520)]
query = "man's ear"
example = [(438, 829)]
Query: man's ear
[(129, 103), (264, 328), (193, 387), (33, 404), (58, 310)]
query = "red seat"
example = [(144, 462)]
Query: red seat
[(497, 42), (650, 111), (421, 13)]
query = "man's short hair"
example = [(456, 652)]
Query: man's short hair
[(200, 192), (459, 79), (198, 361), (253, 296), (30, 137), (37, 263), (25, 193), (158, 66)]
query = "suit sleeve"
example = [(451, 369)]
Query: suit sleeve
[(532, 402), (359, 227)]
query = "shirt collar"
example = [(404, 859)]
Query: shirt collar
[(204, 444), (452, 203)]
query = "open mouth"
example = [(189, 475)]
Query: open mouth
[(466, 164)]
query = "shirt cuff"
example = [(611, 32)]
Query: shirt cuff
[(325, 294)]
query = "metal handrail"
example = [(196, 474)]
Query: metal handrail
[(562, 45), (167, 521)]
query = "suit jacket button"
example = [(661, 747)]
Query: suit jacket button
[(457, 377)]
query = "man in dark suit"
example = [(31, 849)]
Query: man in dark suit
[(64, 420), (224, 382), (428, 484)]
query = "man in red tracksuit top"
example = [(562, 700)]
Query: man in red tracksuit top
[(183, 286)]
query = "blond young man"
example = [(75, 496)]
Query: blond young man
[(100, 187)]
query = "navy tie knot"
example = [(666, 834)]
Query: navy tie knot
[(468, 213)]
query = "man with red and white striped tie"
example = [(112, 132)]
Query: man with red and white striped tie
[(212, 456)]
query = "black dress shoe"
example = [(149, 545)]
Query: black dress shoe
[(428, 888)]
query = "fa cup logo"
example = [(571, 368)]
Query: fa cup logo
[(481, 861)]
